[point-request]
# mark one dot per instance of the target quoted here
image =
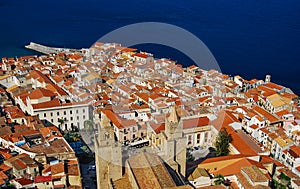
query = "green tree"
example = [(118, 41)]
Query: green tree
[(10, 186), (75, 137), (222, 143), (285, 180), (277, 185), (67, 136), (88, 124), (61, 122), (85, 149), (219, 179)]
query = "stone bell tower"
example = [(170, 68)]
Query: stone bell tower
[(172, 127), (108, 155), (268, 79), (175, 144)]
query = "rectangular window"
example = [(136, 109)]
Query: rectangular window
[(189, 139), (83, 110), (57, 113), (77, 117), (198, 138), (77, 112), (51, 114), (65, 112), (71, 118), (206, 137), (71, 112), (84, 117), (45, 115)]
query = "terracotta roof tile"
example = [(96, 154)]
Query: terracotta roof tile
[(40, 179), (24, 181), (41, 92), (4, 167), (295, 151), (255, 174), (265, 114), (150, 172), (195, 122), (50, 104), (273, 86), (18, 164), (158, 127), (118, 121), (57, 168), (3, 176), (239, 143)]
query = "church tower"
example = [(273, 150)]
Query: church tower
[(173, 128), (108, 155), (268, 79), (175, 144)]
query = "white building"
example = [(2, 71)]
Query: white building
[(74, 115)]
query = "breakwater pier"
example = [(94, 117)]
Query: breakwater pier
[(48, 50)]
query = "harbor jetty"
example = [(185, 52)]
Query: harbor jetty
[(48, 50)]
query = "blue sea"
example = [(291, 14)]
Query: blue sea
[(251, 38)]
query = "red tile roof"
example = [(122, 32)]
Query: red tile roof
[(59, 186), (14, 111), (282, 112), (273, 86), (223, 158), (57, 168), (150, 172), (141, 55), (254, 126), (3, 175), (195, 122), (39, 179), (265, 114), (143, 96), (4, 167), (73, 170), (224, 119), (56, 89), (295, 151), (24, 181), (240, 144), (228, 165), (41, 92), (158, 127), (18, 164), (118, 121), (127, 49), (50, 104)]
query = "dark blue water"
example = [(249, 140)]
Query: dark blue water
[(250, 38)]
